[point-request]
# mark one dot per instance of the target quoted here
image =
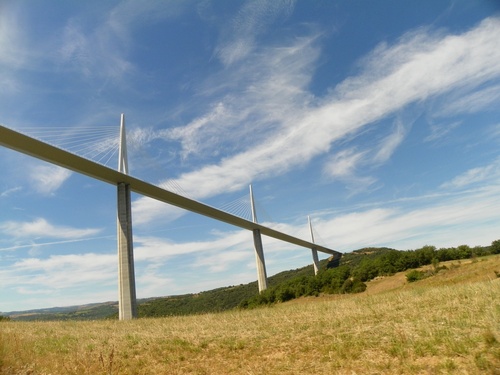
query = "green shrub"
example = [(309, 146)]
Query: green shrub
[(284, 294), (415, 275), (358, 286), (353, 286)]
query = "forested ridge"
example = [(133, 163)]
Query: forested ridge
[(364, 265)]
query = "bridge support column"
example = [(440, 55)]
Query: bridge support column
[(315, 260), (259, 260), (313, 250), (127, 305), (259, 249)]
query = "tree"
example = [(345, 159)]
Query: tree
[(495, 247), (464, 251), (365, 270), (426, 254)]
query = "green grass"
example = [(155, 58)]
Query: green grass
[(448, 323)]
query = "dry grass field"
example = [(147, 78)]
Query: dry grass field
[(447, 324)]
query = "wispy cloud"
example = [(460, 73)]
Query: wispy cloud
[(47, 179), (57, 262), (35, 246), (131, 14), (238, 40), (10, 191), (15, 54), (421, 65), (262, 92), (490, 173), (12, 53), (471, 102), (200, 135), (346, 164), (155, 283), (41, 228), (343, 164), (223, 260), (439, 131), (390, 143), (159, 249), (99, 53), (454, 220), (494, 131), (81, 274), (144, 209)]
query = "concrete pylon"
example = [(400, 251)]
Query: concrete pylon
[(127, 303), (259, 249), (313, 250)]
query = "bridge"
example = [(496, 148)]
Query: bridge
[(125, 184)]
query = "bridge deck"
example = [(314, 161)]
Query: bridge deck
[(41, 150)]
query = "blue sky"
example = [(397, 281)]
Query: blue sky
[(378, 119)]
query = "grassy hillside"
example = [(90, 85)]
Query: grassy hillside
[(447, 323), (363, 265)]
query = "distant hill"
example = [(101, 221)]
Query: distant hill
[(365, 264), (215, 300), (82, 312)]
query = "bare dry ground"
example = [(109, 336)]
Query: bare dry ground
[(449, 323)]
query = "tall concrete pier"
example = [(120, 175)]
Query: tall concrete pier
[(127, 305), (313, 250), (259, 249)]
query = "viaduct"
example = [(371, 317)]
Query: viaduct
[(125, 185)]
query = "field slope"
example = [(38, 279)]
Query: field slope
[(447, 323)]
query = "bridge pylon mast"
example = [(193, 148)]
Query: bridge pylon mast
[(127, 302), (259, 249)]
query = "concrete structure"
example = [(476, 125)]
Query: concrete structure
[(313, 249), (259, 249), (41, 150), (125, 184), (127, 302)]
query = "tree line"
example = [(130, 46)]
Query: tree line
[(361, 266)]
